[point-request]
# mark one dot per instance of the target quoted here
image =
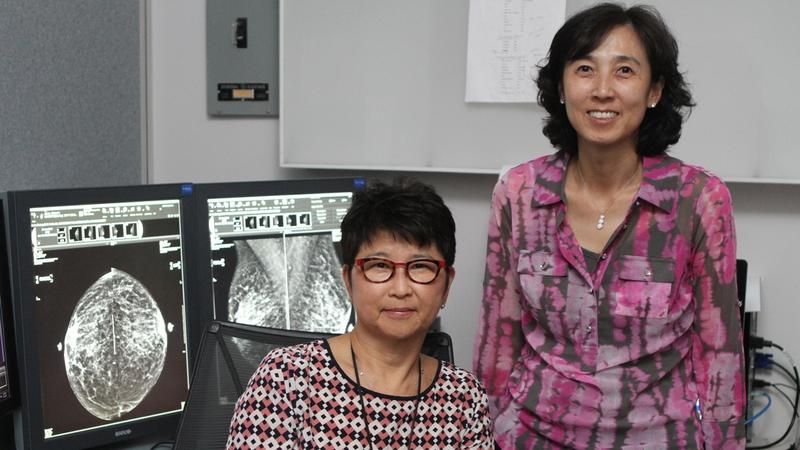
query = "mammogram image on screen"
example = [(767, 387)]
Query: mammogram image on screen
[(289, 281), (115, 345), (108, 299)]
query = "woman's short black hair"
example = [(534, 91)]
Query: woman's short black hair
[(584, 32), (408, 209)]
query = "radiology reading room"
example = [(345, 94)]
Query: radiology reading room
[(177, 176)]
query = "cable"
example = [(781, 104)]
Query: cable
[(763, 410), (785, 370), (797, 391), (759, 342), (784, 394), (797, 395), (171, 444), (796, 379), (784, 385)]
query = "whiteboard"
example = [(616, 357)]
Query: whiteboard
[(379, 84)]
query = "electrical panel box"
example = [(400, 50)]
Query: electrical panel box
[(242, 57)]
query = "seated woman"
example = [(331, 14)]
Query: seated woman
[(371, 388)]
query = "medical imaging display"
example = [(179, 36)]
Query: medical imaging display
[(276, 261), (115, 321), (108, 284)]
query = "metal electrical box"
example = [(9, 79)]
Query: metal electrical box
[(242, 57)]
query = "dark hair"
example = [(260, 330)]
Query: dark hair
[(408, 209), (584, 32)]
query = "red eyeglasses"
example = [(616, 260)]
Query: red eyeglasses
[(381, 270)]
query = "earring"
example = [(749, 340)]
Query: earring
[(653, 105), (561, 100), (442, 307)]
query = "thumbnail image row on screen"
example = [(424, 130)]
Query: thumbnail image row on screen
[(265, 222), (114, 294), (132, 230), (85, 233)]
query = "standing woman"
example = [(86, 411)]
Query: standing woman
[(609, 317)]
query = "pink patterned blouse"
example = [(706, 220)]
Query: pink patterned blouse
[(299, 398), (643, 353)]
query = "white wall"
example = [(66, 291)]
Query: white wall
[(187, 145)]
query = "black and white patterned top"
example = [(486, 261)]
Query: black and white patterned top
[(299, 398)]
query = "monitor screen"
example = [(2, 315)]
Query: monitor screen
[(275, 254), (100, 285)]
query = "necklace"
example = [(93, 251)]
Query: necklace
[(601, 219), (360, 391)]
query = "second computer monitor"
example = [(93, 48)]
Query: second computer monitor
[(274, 252)]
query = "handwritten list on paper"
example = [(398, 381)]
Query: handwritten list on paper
[(506, 40)]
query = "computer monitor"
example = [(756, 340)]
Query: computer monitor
[(8, 396), (747, 322), (273, 252), (99, 287)]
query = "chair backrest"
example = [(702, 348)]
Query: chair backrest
[(228, 356), (439, 345)]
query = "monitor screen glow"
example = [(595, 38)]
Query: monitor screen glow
[(99, 281), (276, 260), (108, 282)]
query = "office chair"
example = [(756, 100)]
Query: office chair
[(438, 345), (229, 354)]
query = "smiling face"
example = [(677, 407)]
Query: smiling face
[(398, 308), (607, 92)]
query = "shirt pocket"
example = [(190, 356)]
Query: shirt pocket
[(543, 279), (644, 286)]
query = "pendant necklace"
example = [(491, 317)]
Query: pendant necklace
[(360, 391), (601, 219)]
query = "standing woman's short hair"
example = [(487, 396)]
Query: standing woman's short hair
[(584, 32), (409, 210)]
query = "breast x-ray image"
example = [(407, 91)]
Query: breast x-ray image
[(115, 345), (276, 260), (288, 281)]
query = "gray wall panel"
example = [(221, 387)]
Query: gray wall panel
[(70, 94)]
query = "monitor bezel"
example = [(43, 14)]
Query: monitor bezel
[(7, 326), (29, 419), (204, 192)]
